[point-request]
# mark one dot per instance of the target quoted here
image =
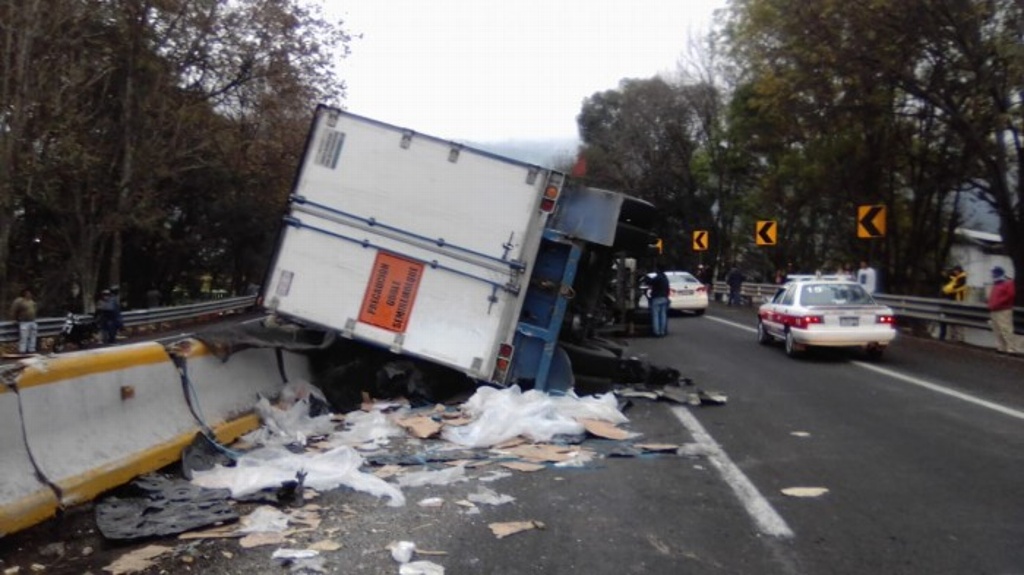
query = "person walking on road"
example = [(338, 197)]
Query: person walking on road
[(734, 279), (658, 295), (23, 311), (1000, 306), (955, 289)]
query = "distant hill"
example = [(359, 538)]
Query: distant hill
[(545, 153)]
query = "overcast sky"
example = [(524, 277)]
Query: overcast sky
[(494, 70)]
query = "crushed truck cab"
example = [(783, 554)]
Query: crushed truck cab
[(437, 251)]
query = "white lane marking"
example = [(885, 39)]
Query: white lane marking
[(767, 520), (732, 323), (911, 380), (943, 390)]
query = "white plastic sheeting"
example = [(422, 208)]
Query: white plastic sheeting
[(501, 414), (271, 466)]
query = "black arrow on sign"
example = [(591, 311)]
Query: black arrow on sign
[(698, 239), (867, 221), (763, 232)]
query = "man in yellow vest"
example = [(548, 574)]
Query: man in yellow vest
[(955, 289)]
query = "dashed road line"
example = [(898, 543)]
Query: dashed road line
[(767, 520)]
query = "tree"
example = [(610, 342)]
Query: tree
[(825, 74), (641, 139)]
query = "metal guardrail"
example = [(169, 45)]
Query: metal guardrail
[(928, 309), (50, 326)]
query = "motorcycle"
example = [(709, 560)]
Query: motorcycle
[(80, 330)]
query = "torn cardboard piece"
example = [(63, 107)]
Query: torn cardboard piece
[(502, 530)]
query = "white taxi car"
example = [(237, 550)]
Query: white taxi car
[(826, 313), (685, 292)]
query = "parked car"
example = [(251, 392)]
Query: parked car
[(825, 313), (686, 292)]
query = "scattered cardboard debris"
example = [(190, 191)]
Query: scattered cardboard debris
[(605, 429), (138, 560), (325, 545), (261, 539), (456, 420), (522, 466), (518, 440), (431, 502), (805, 491), (658, 447), (537, 452), (421, 426), (386, 471), (502, 530)]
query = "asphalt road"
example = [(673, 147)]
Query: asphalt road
[(921, 454)]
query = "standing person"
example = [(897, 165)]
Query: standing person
[(703, 274), (734, 279), (108, 314), (23, 311), (955, 288), (867, 277), (658, 294), (1000, 306)]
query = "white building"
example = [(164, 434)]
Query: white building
[(978, 252)]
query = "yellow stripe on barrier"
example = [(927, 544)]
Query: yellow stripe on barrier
[(80, 364), (28, 511), (88, 485)]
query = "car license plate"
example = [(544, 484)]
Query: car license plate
[(685, 292), (849, 321)]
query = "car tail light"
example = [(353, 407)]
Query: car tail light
[(885, 319), (702, 288), (550, 197), (503, 362), (805, 321)]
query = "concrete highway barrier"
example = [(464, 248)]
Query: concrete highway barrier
[(75, 425)]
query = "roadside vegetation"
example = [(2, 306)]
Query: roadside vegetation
[(153, 142)]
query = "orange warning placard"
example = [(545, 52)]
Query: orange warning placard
[(391, 292)]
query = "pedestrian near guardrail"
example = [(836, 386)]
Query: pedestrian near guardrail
[(23, 311), (955, 288), (1000, 305)]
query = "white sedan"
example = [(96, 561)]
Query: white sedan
[(825, 313), (686, 292)]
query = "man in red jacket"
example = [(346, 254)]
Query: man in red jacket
[(1000, 306)]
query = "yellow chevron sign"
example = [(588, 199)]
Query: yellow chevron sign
[(700, 240), (765, 233), (871, 221)]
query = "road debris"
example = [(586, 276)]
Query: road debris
[(161, 506), (805, 491), (137, 560), (502, 530)]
